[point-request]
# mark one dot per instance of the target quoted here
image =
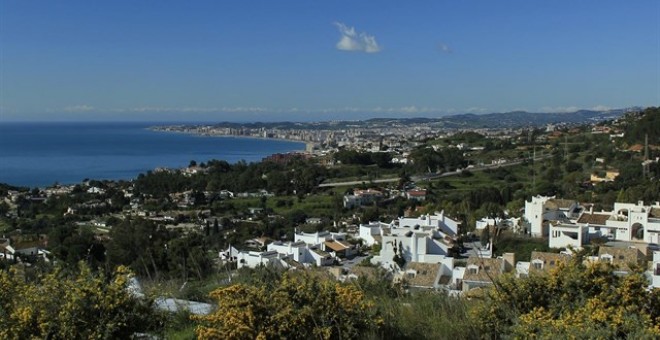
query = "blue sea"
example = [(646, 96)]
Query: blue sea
[(41, 154)]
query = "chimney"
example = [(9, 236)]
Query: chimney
[(509, 262)]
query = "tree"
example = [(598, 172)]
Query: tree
[(485, 236), (216, 226)]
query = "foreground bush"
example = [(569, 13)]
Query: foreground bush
[(574, 301), (79, 306), (300, 306)]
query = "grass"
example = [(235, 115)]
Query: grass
[(315, 205), (522, 246)]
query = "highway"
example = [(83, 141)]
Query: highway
[(433, 175)]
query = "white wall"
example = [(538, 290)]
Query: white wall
[(534, 214), (368, 231), (558, 236), (312, 238)]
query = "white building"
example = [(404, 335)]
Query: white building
[(253, 259), (437, 222), (636, 222), (542, 208), (362, 197), (627, 222), (372, 233), (318, 237), (425, 239), (286, 255), (567, 235), (484, 223), (302, 253)]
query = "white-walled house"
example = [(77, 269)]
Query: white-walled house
[(303, 253), (544, 208), (484, 223), (438, 222), (312, 238), (425, 239), (362, 197), (318, 237), (281, 254), (372, 233), (253, 259), (567, 236), (627, 222), (636, 222)]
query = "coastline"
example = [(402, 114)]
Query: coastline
[(220, 135), (118, 151)]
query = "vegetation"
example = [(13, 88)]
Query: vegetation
[(299, 306), (574, 300), (173, 247), (80, 305)]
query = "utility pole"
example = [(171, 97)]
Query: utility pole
[(646, 164), (534, 169)]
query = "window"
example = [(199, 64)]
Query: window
[(552, 263), (621, 257), (538, 265)]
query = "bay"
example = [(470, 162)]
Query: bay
[(41, 154)]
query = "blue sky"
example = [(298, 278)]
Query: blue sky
[(320, 60)]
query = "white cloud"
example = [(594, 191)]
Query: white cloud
[(444, 48), (79, 108), (601, 108), (568, 109), (559, 109), (350, 40), (476, 109), (192, 109)]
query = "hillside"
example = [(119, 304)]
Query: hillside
[(514, 119)]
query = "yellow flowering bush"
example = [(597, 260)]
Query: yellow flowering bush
[(300, 306), (61, 306), (573, 301)]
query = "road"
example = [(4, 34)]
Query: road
[(431, 176)]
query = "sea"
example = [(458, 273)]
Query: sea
[(43, 154)]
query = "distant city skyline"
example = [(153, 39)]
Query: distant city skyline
[(308, 61)]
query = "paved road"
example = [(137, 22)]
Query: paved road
[(342, 184), (348, 264), (430, 176)]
